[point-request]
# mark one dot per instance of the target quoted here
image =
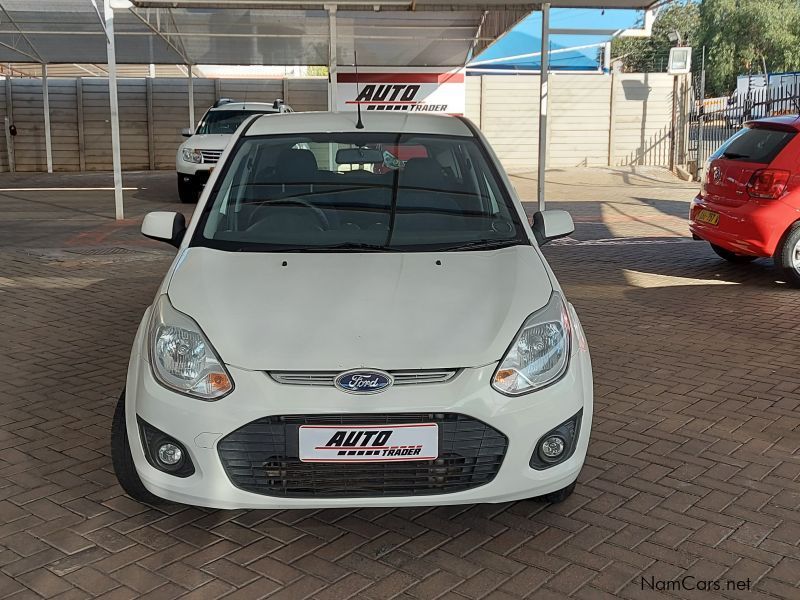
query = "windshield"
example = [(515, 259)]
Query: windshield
[(359, 191), (224, 121)]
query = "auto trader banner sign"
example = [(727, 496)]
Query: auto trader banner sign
[(384, 88)]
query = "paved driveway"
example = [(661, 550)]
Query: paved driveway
[(692, 474)]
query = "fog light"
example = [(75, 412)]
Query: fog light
[(169, 454), (552, 447), (557, 445), (163, 452)]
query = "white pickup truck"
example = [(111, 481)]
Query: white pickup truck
[(198, 154)]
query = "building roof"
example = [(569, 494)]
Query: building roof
[(263, 32)]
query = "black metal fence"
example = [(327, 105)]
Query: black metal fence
[(709, 127)]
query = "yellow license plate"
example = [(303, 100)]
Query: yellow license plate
[(707, 216)]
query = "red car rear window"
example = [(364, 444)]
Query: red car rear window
[(755, 144)]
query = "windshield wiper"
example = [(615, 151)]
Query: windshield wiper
[(735, 155), (357, 246), (482, 245)]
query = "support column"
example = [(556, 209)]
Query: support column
[(151, 124), (80, 124), (9, 121), (332, 66), (543, 96), (191, 98), (108, 11), (48, 142)]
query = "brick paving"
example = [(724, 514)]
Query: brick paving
[(692, 471)]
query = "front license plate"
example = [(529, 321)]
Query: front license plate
[(708, 216), (369, 443)]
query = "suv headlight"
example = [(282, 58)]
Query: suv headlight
[(539, 354), (182, 358), (191, 155)]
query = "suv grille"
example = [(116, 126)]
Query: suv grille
[(326, 378), (261, 457), (210, 156)]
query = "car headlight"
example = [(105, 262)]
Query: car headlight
[(539, 354), (183, 359), (192, 155)]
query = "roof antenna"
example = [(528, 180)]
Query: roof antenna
[(359, 124)]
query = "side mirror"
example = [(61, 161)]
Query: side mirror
[(186, 132), (551, 225), (165, 227)]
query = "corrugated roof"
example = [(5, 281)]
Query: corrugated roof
[(263, 32)]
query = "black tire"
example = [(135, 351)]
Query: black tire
[(122, 460), (787, 257), (732, 256), (559, 495), (187, 190)]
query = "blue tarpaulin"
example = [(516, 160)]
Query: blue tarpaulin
[(569, 52)]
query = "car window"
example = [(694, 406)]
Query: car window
[(352, 190), (223, 121), (755, 144)]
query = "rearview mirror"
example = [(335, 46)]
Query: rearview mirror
[(552, 224), (358, 156), (186, 132), (165, 227)]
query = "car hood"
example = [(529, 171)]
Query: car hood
[(346, 310), (209, 141)]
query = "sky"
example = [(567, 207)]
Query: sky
[(525, 37)]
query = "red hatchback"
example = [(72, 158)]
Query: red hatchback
[(749, 201)]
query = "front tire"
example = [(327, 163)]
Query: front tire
[(121, 457), (732, 256), (559, 495), (187, 190), (787, 258)]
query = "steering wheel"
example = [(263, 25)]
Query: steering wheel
[(324, 223)]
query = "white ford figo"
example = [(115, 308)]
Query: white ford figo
[(356, 316)]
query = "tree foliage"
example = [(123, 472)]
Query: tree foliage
[(740, 37), (650, 53), (317, 71)]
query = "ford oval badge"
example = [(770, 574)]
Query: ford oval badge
[(363, 381)]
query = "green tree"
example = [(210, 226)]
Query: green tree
[(744, 36), (650, 53), (317, 71)]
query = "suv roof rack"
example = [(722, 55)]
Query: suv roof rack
[(222, 101), (281, 106)]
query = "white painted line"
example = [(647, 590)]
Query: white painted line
[(65, 189), (569, 241)]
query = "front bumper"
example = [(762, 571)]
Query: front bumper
[(192, 169), (198, 178), (199, 426)]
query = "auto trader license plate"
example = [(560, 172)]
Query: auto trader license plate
[(707, 216), (369, 443)]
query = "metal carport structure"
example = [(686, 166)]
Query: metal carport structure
[(412, 33)]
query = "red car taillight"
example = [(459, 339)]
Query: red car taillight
[(768, 183)]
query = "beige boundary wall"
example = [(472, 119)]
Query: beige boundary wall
[(152, 114), (595, 119)]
